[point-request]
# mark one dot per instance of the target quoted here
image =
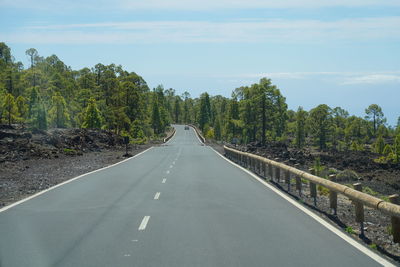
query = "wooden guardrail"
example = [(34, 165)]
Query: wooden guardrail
[(198, 132), (169, 137), (273, 169)]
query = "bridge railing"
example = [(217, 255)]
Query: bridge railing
[(274, 170), (170, 136), (198, 132)]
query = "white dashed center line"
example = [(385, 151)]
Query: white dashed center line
[(164, 180), (170, 166), (167, 172), (157, 196), (143, 225)]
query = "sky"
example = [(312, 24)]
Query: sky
[(337, 52)]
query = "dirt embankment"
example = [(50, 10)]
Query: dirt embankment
[(31, 161)]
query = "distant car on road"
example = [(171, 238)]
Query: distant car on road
[(186, 127)]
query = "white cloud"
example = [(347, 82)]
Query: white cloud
[(372, 79), (341, 78), (191, 4), (254, 31)]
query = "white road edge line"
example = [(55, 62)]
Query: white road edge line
[(68, 181), (330, 227), (164, 180), (195, 133), (144, 222), (157, 195)]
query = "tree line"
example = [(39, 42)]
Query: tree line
[(48, 93)]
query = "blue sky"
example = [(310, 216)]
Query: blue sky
[(341, 53)]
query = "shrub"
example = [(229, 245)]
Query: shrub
[(69, 151), (347, 175), (323, 191), (349, 230)]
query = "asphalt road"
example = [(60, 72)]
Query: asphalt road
[(180, 204)]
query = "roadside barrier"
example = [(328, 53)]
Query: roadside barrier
[(274, 170), (198, 133), (169, 137)]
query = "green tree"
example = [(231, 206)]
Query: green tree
[(10, 109), (177, 109), (205, 111), (379, 145), (375, 115), (58, 111), (396, 148), (22, 107), (39, 116), (137, 130), (92, 117), (320, 120), (156, 118), (33, 101), (33, 55), (301, 118), (217, 129), (5, 53)]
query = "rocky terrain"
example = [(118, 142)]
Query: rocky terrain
[(382, 178), (31, 161)]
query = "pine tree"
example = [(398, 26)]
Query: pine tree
[(379, 145), (375, 114), (10, 109), (39, 117), (320, 120), (205, 111), (137, 130), (396, 148), (300, 127), (33, 101), (177, 109), (156, 123), (92, 117), (22, 107), (58, 111), (217, 129)]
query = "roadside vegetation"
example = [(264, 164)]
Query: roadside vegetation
[(49, 94)]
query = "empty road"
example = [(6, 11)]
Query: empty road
[(180, 204)]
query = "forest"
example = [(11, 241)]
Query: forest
[(49, 94)]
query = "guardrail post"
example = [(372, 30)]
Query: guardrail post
[(298, 184), (271, 172), (287, 179), (264, 169), (359, 207), (333, 196), (313, 189), (298, 180), (277, 174), (259, 167), (395, 199)]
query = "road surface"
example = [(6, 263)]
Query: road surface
[(180, 204)]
